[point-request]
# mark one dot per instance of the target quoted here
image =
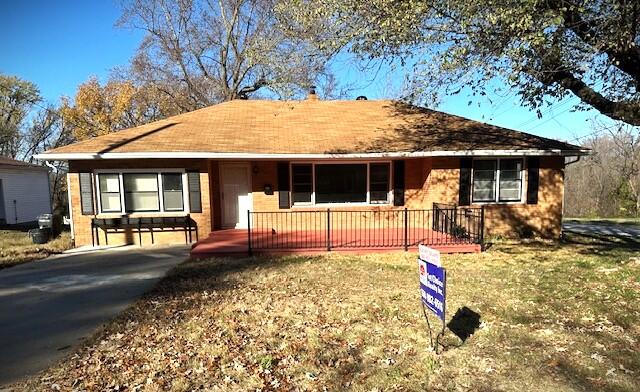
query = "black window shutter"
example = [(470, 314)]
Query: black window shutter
[(86, 194), (283, 185), (398, 183), (533, 179), (195, 202), (464, 196)]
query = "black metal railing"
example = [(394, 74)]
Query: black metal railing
[(459, 222), (381, 228)]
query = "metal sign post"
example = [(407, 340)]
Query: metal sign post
[(433, 287)]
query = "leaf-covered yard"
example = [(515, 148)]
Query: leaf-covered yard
[(16, 247), (554, 318)]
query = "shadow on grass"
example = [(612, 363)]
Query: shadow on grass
[(607, 222), (600, 244), (464, 323), (582, 243), (196, 276)]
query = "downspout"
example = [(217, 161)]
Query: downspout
[(55, 170), (73, 236)]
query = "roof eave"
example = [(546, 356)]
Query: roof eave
[(258, 156)]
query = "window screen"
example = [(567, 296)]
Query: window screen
[(510, 179), (484, 180), (302, 182), (341, 183), (109, 192), (172, 192), (379, 182), (141, 192)]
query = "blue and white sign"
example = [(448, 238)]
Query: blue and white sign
[(433, 281)]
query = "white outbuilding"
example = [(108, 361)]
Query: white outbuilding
[(24, 192)]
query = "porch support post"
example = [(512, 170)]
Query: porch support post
[(249, 250)]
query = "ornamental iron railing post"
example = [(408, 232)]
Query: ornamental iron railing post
[(249, 249), (406, 229), (482, 226), (328, 229)]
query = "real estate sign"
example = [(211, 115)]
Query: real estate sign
[(433, 281)]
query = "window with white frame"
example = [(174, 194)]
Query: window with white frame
[(141, 192), (340, 183), (497, 180), (510, 184), (172, 192), (109, 192)]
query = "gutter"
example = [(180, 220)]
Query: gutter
[(255, 156), (573, 161)]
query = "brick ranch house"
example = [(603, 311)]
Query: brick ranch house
[(314, 174)]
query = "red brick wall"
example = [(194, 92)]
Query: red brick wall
[(437, 180), (543, 219), (82, 223), (427, 180)]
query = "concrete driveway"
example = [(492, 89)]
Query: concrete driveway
[(48, 307), (625, 232)]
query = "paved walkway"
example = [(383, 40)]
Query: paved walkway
[(625, 232), (48, 307)]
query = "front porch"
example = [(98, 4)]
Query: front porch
[(446, 228)]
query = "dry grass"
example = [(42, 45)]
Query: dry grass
[(16, 247), (554, 318)]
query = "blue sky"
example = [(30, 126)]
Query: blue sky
[(58, 45)]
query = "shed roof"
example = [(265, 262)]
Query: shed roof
[(16, 164)]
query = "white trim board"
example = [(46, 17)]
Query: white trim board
[(256, 156)]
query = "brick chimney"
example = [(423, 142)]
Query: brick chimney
[(312, 94)]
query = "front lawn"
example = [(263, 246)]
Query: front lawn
[(554, 318), (16, 247)]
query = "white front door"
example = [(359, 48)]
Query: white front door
[(236, 194)]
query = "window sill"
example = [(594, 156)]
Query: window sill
[(497, 203), (339, 205)]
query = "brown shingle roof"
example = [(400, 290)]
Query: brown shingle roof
[(313, 127), (15, 164)]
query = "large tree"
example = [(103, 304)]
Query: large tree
[(98, 109), (29, 126), (541, 48), (217, 50), (17, 99), (607, 182)]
